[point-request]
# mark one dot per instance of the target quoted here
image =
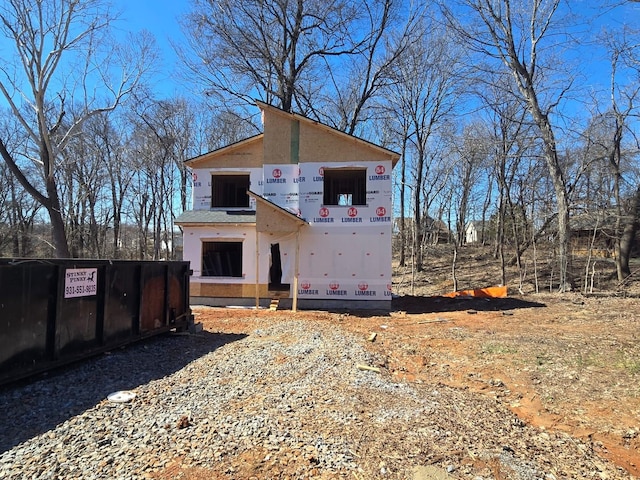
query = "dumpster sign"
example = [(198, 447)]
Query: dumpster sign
[(80, 282)]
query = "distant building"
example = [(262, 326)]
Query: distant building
[(473, 231), (593, 233), (301, 211)]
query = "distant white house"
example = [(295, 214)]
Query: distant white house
[(473, 231), (301, 211)]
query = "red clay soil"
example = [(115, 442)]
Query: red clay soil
[(563, 362)]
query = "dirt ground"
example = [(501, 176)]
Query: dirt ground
[(565, 362)]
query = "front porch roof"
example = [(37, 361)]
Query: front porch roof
[(272, 218)]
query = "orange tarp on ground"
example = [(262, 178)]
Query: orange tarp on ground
[(487, 292)]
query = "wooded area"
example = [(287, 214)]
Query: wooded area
[(516, 117)]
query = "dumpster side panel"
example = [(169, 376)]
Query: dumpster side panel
[(178, 278), (76, 320), (121, 302), (25, 292), (153, 279)]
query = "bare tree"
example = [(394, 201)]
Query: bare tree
[(516, 34), (18, 213), (346, 102), (510, 137), (424, 93), (18, 210), (62, 58), (274, 49), (108, 135), (624, 107), (471, 155)]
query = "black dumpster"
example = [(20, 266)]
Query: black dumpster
[(55, 311)]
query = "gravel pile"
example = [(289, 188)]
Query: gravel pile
[(287, 400)]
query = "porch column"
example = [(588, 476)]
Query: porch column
[(257, 269), (294, 306)]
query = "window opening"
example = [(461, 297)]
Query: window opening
[(345, 187), (222, 259), (229, 191)]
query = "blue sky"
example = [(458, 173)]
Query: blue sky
[(160, 17)]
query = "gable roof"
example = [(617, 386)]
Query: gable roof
[(393, 155), (224, 150)]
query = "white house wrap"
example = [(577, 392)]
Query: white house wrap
[(300, 205)]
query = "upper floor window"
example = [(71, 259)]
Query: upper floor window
[(345, 186), (229, 191)]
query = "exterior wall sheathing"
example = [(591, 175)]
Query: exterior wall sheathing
[(343, 252)]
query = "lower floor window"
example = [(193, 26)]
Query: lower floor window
[(222, 259)]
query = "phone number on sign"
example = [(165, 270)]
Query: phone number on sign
[(80, 290)]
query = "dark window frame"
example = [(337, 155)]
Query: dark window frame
[(221, 259), (341, 182), (230, 191)]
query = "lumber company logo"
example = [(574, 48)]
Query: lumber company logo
[(196, 183), (380, 174), (363, 290), (334, 289), (298, 178), (352, 216), (388, 292), (320, 176), (305, 289), (324, 216), (381, 216), (276, 174)]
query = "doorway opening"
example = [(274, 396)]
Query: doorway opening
[(275, 270)]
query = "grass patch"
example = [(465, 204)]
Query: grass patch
[(498, 349), (627, 363), (588, 360)]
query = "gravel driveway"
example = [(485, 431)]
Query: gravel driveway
[(285, 400)]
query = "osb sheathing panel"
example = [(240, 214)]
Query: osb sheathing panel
[(273, 221), (277, 138), (245, 156), (316, 143), (233, 290), (320, 145)]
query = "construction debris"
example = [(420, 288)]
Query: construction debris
[(368, 368)]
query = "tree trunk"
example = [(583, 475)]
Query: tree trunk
[(535, 238), (57, 223), (627, 239), (403, 227), (564, 236), (417, 226)]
